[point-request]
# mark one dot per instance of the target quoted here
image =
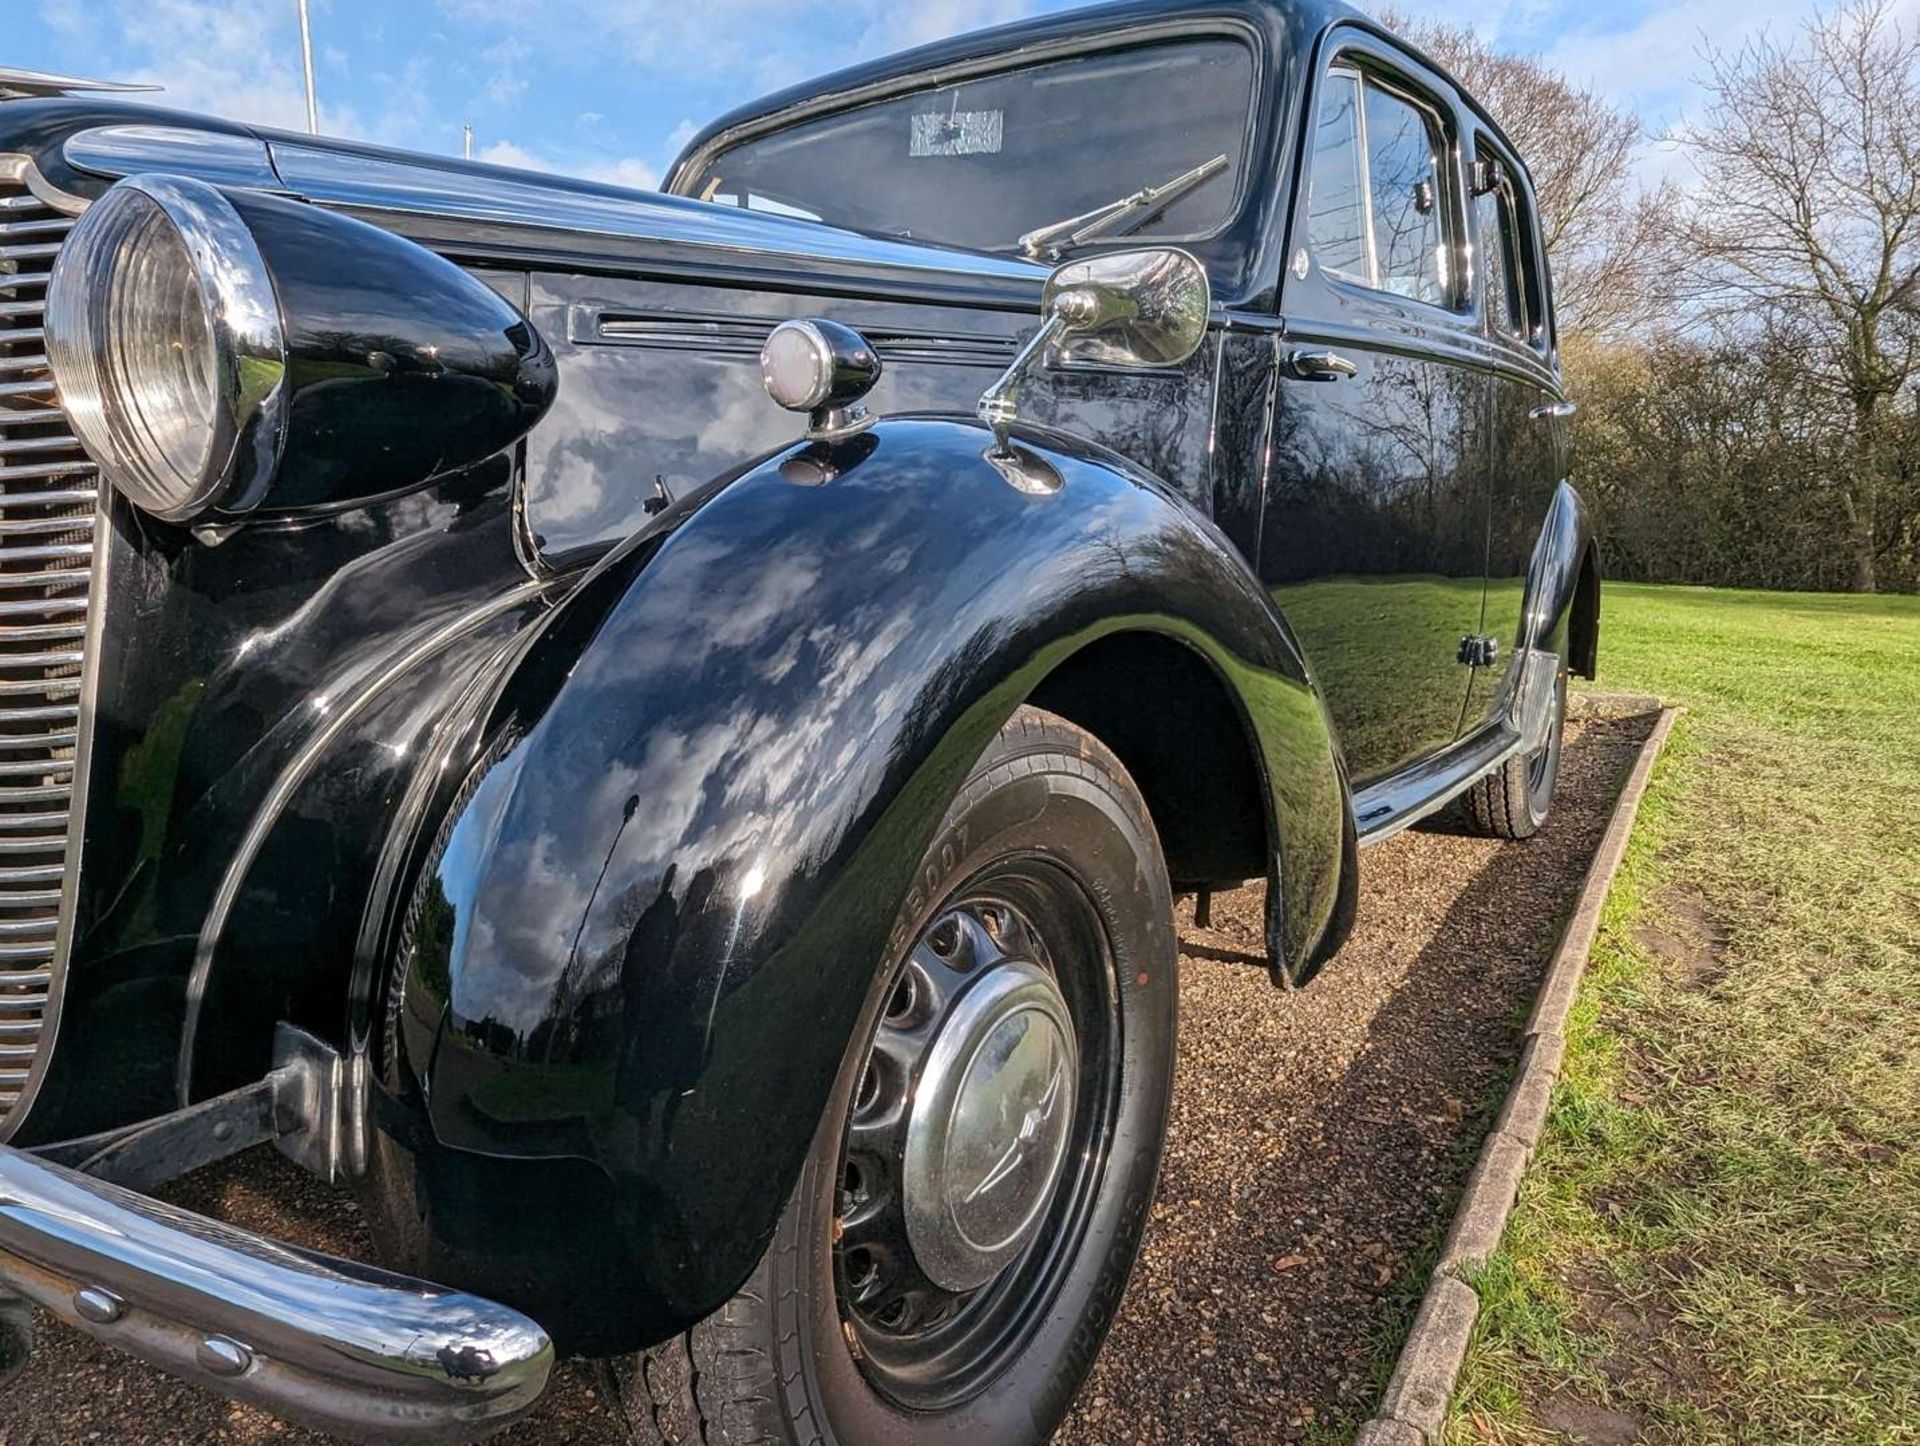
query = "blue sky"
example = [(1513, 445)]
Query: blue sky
[(610, 88)]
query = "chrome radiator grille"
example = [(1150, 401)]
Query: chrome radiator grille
[(48, 511)]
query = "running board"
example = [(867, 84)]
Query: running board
[(1383, 809)]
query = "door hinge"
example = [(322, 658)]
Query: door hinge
[(1479, 652)]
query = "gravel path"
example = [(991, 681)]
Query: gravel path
[(1319, 1142)]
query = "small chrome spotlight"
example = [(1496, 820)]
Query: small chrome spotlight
[(824, 369)]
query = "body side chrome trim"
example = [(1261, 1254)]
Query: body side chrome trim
[(1426, 336), (1383, 809), (339, 1345), (1519, 725)]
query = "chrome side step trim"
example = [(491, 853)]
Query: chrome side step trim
[(1381, 810), (332, 1344), (1392, 804)]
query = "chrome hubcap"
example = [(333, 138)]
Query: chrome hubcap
[(987, 1132), (961, 1122)]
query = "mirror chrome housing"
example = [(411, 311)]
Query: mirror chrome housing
[(1144, 308)]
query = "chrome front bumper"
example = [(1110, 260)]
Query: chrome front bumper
[(346, 1348)]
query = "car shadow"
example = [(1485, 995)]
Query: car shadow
[(1321, 1137)]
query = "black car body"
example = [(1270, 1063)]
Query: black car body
[(525, 774)]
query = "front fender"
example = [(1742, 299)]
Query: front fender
[(639, 947)]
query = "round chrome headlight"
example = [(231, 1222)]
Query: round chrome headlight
[(165, 339)]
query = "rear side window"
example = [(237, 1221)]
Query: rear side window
[(1496, 219), (1376, 204)]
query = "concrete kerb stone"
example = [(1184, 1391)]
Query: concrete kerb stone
[(1385, 1432), (1484, 1205), (1422, 1380), (1524, 1115)]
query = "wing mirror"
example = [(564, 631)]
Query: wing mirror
[(1145, 308)]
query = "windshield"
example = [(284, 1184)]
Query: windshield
[(982, 162)]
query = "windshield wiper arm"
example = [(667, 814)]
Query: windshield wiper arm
[(1064, 235)]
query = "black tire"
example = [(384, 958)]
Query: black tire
[(1514, 800), (1046, 808)]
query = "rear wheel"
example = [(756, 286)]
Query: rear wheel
[(952, 1256), (1514, 800)]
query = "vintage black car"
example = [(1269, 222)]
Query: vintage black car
[(657, 735)]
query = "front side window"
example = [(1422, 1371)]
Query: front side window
[(1376, 205), (983, 162), (1337, 215)]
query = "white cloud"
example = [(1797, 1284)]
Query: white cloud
[(730, 36), (622, 171), (681, 134), (242, 62), (507, 81), (506, 153), (627, 171), (896, 28)]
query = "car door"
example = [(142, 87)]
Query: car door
[(1373, 538), (1527, 412)]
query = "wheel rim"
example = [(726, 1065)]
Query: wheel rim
[(978, 1134)]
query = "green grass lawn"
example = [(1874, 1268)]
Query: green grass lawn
[(1719, 1239)]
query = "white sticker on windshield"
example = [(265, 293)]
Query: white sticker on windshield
[(957, 133)]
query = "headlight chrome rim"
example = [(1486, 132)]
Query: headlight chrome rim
[(790, 344), (246, 340)]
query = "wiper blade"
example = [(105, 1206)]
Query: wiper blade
[(1051, 240)]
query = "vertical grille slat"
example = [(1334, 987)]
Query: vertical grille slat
[(49, 502)]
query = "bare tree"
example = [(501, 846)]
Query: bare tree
[(1609, 241), (1807, 223)]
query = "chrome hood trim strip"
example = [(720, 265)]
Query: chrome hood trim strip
[(218, 157)]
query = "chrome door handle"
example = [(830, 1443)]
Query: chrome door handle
[(1553, 409), (1320, 366)]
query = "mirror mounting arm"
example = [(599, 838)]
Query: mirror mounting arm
[(999, 405)]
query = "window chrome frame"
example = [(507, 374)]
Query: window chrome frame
[(1485, 149)]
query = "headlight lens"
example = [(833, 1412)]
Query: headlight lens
[(165, 341)]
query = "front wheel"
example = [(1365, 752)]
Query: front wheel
[(951, 1258)]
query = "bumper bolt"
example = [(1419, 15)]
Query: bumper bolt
[(223, 1357), (98, 1305)]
